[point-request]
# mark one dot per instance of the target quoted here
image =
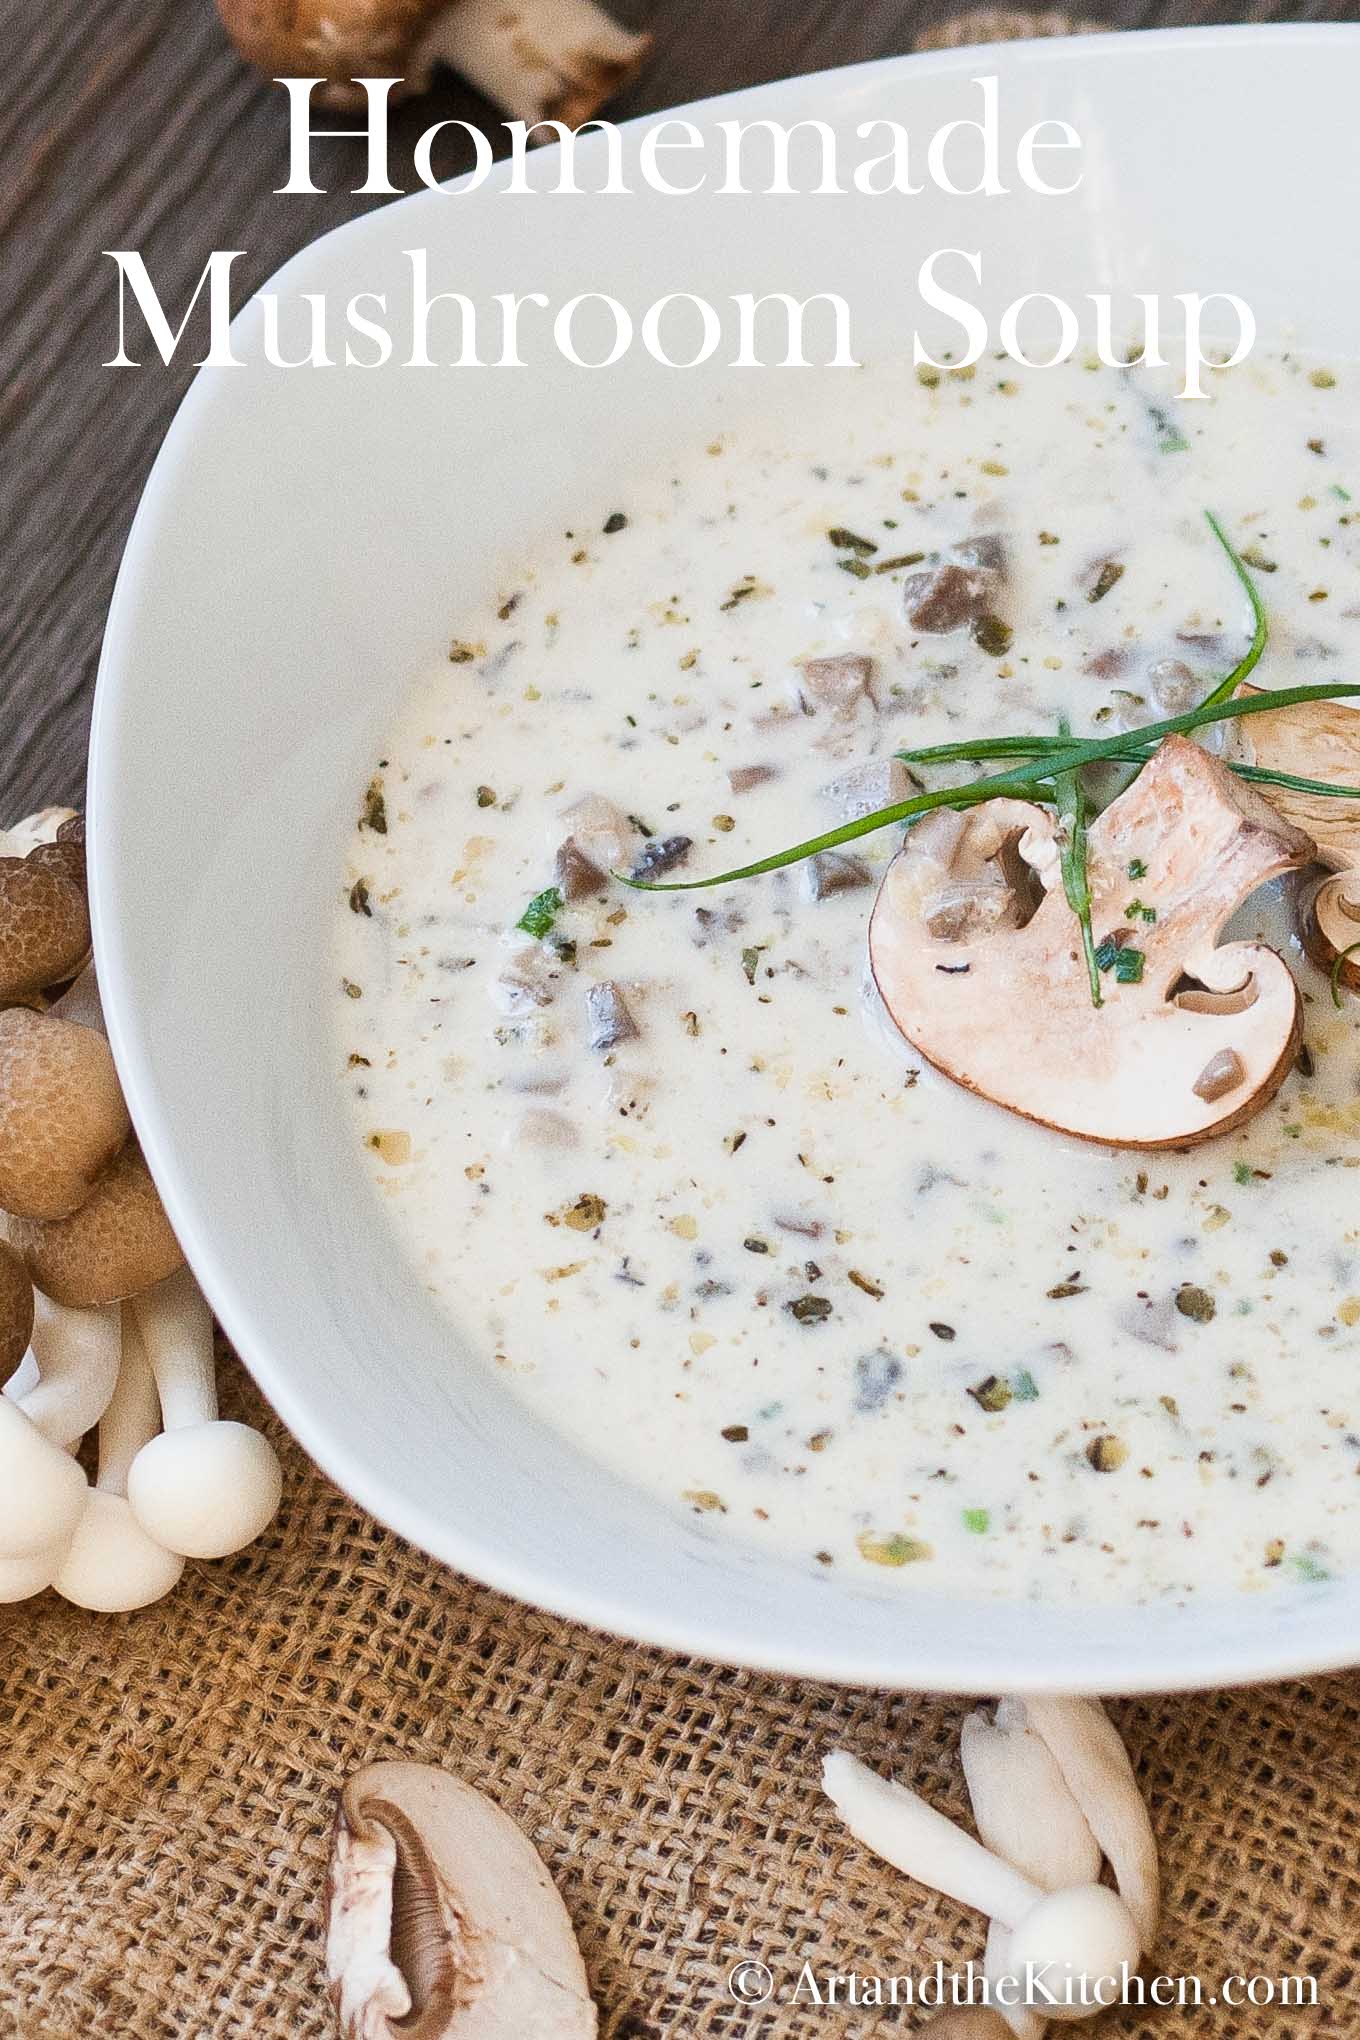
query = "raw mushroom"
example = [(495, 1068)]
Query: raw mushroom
[(1090, 1753), (206, 1487), (16, 1312), (1024, 1812), (44, 923), (1007, 1011), (444, 1923), (539, 59), (41, 1485), (62, 1116), (1320, 740), (111, 1564), (1073, 1937), (117, 1242)]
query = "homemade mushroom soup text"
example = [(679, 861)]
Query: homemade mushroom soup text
[(971, 1205)]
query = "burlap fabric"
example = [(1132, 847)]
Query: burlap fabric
[(167, 1779), (166, 1785)]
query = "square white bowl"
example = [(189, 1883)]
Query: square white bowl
[(302, 551)]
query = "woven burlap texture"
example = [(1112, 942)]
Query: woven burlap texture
[(167, 1781)]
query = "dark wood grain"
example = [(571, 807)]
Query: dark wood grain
[(132, 124)]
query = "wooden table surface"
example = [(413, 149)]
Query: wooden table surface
[(132, 124)]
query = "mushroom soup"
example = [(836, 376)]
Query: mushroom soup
[(666, 1158)]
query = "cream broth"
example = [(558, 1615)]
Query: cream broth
[(667, 1164)]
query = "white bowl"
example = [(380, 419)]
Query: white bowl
[(300, 555)]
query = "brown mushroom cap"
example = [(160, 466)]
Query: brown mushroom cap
[(1006, 1010), (1320, 740), (16, 1311), (44, 921), (334, 39), (443, 1919), (118, 1243), (62, 1116)]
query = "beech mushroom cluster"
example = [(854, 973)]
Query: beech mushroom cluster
[(443, 1921), (101, 1323), (538, 59), (971, 926), (1054, 1797)]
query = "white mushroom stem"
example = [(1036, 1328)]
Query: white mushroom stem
[(1071, 1938), (538, 59), (1090, 1753), (77, 1352), (1021, 1802), (42, 1488), (1025, 1813), (205, 1487), (111, 1564), (899, 1826)]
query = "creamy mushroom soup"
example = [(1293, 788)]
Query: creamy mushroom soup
[(663, 1156)]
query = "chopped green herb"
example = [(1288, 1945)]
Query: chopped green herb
[(1136, 911), (1127, 964), (911, 559), (1137, 868), (1071, 805), (1310, 1569), (750, 963), (1342, 495), (1024, 1386), (541, 912), (979, 1521), (993, 1394), (855, 567), (850, 541), (1243, 1172), (1110, 573)]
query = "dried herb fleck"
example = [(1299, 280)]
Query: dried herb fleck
[(358, 899), (810, 1310), (1195, 1303), (375, 809)]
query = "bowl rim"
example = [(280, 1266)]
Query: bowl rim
[(1255, 1655)]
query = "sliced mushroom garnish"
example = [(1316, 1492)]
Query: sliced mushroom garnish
[(1320, 740), (830, 872), (878, 783), (1007, 1011), (839, 684), (443, 1920), (610, 1018)]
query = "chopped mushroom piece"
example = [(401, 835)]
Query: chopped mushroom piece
[(660, 856), (1320, 740), (743, 777), (1223, 1072), (600, 831), (62, 1116), (576, 875), (610, 1020), (117, 1242), (838, 683), (882, 782), (963, 586), (1009, 1013), (539, 59), (443, 1921), (830, 872)]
